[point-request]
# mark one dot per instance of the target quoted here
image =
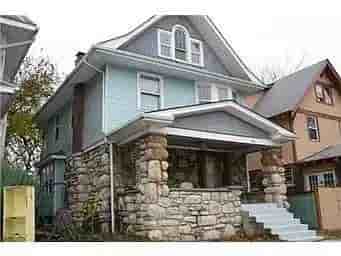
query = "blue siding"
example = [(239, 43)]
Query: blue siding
[(120, 96), (92, 126), (178, 92), (64, 143)]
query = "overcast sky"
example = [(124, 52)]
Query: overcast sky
[(264, 33)]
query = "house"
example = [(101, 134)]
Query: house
[(154, 125), (16, 36), (308, 103)]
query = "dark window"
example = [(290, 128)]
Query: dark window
[(324, 94), (313, 129), (180, 44), (57, 128)]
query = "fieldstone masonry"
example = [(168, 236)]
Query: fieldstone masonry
[(156, 212), (274, 178), (144, 203), (88, 175)]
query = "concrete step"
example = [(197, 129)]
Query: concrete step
[(289, 227), (297, 235), (280, 222)]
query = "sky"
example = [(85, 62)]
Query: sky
[(279, 34)]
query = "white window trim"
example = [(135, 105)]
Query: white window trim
[(214, 92), (139, 74), (159, 31), (201, 64), (188, 47), (188, 44), (316, 128), (291, 169), (318, 173)]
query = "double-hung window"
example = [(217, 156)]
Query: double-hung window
[(149, 92), (313, 129), (324, 94), (196, 51), (213, 92), (178, 45), (181, 47), (204, 94), (165, 42), (321, 179)]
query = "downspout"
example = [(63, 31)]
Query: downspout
[(112, 189), (247, 176)]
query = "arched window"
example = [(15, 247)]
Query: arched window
[(180, 43)]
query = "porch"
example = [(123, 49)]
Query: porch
[(178, 175)]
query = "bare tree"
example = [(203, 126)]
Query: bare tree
[(273, 72)]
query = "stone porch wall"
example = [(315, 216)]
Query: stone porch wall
[(87, 177), (188, 215)]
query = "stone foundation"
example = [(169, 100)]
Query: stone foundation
[(87, 177), (189, 215), (153, 210)]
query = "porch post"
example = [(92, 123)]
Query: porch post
[(151, 180), (274, 178)]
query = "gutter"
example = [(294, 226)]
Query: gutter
[(181, 67)]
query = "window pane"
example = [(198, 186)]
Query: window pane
[(313, 134), (150, 84), (223, 93), (195, 47), (150, 102), (311, 121), (165, 50), (180, 39), (328, 96), (180, 54), (165, 38), (196, 58), (319, 92), (204, 93), (328, 179)]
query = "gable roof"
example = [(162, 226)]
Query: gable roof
[(326, 153), (210, 33), (168, 118), (287, 92), (109, 52)]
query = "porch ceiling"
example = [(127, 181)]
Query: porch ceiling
[(211, 145)]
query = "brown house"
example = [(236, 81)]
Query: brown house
[(307, 102)]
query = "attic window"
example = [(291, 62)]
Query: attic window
[(179, 46), (180, 40), (324, 94)]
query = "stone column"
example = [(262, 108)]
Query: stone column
[(151, 181), (274, 178)]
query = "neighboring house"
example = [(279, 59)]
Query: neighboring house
[(16, 36), (154, 125), (308, 103)]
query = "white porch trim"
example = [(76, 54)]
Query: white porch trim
[(218, 137), (18, 24)]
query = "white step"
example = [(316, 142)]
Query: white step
[(280, 222)]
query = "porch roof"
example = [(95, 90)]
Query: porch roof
[(215, 123)]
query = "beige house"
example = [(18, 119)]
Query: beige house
[(308, 103)]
